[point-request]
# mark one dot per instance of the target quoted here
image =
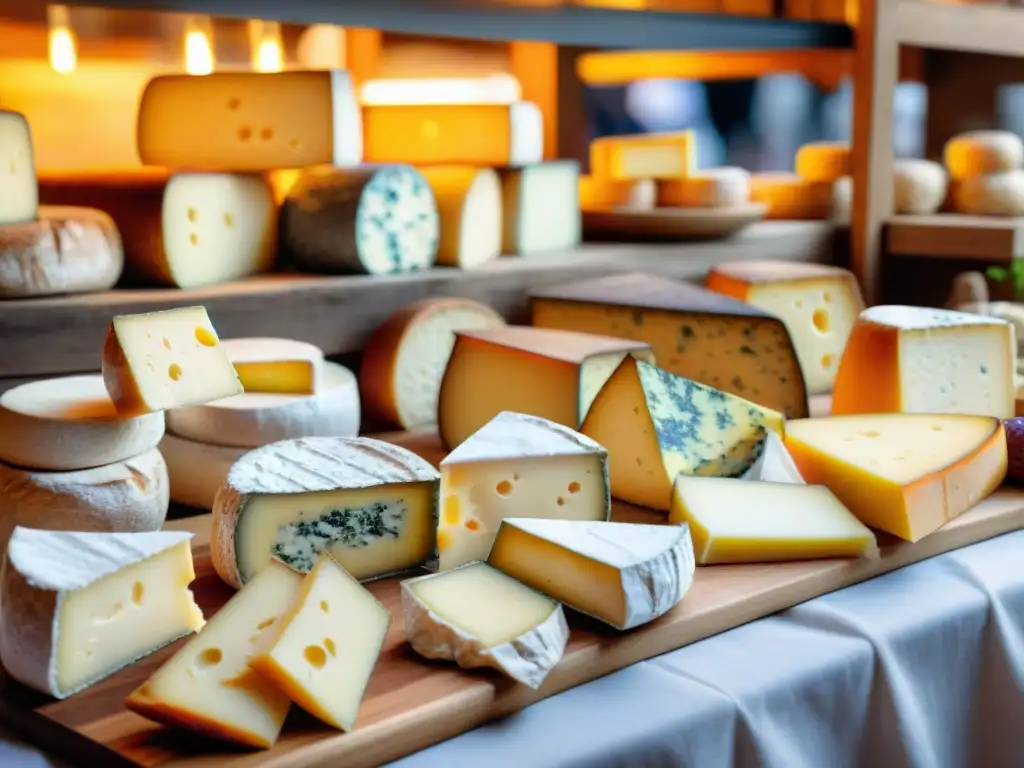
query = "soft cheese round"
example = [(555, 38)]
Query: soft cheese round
[(196, 470), (909, 318), (712, 188), (997, 194), (790, 197), (919, 186), (823, 160), (978, 153)]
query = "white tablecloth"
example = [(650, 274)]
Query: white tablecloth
[(923, 667)]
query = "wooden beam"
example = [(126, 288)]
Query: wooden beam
[(535, 65)]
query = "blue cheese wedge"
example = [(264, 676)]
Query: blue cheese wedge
[(774, 465)]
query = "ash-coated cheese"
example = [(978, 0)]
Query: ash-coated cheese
[(197, 470), (371, 220), (624, 574), (711, 188), (77, 607), (276, 366), (541, 208), (644, 156), (370, 504), (979, 153), (995, 194), (823, 161), (599, 194), (774, 465), (19, 193), (469, 209), (478, 617), (919, 186), (790, 197)]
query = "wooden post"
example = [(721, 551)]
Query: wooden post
[(573, 140), (535, 65)]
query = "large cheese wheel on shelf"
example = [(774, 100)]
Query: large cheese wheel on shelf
[(469, 209), (919, 186), (997, 194), (19, 196), (977, 153)]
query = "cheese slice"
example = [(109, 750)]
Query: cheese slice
[(656, 425), (370, 504), (78, 607), (323, 650), (980, 153), (600, 194), (907, 474), (469, 210), (645, 156), (405, 359), (790, 197), (161, 360), (207, 685), (19, 193), (197, 470), (541, 208), (922, 360), (697, 334), (276, 366), (824, 161), (542, 372), (737, 522), (774, 465), (478, 617), (521, 466), (710, 188)]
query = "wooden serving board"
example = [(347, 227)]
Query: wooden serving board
[(411, 703), (671, 223)]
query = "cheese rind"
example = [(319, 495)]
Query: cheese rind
[(823, 161), (469, 211), (196, 470), (19, 192), (979, 153), (709, 188), (276, 366), (599, 194), (541, 208), (645, 156), (790, 197)]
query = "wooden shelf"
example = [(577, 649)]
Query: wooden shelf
[(991, 239), (982, 28)]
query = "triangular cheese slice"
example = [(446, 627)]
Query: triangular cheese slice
[(774, 465)]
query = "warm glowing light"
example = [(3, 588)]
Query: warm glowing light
[(63, 50), (199, 59), (267, 49), (495, 89), (321, 46)]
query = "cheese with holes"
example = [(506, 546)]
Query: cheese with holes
[(656, 425), (552, 374), (919, 186), (907, 474), (323, 650), (824, 161), (996, 194), (248, 121), (774, 465), (196, 471), (371, 505), (488, 135), (19, 193), (623, 574), (599, 194), (711, 188), (519, 466), (469, 212), (276, 366), (921, 360), (819, 305), (70, 423), (78, 607), (161, 360), (644, 156), (737, 522), (790, 197), (208, 687), (405, 359), (979, 153), (714, 340), (478, 617), (541, 208), (371, 220)]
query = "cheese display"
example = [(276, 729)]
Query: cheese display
[(161, 360), (997, 194), (923, 360), (19, 194), (621, 573), (774, 465), (541, 208), (65, 250), (818, 303), (906, 474), (208, 687), (322, 651), (919, 186), (823, 161), (478, 617), (371, 505), (709, 188), (470, 214), (520, 466), (599, 194), (196, 471), (370, 220), (737, 522), (712, 339), (405, 359), (249, 121), (644, 156), (275, 366), (656, 425), (548, 373), (77, 607), (488, 135), (70, 423), (979, 153), (788, 196)]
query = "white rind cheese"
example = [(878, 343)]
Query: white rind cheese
[(774, 465), (919, 186), (19, 191), (995, 194), (278, 366), (197, 470)]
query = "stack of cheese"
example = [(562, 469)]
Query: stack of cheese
[(987, 172), (624, 169), (812, 192)]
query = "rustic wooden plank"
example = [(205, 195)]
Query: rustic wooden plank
[(990, 239)]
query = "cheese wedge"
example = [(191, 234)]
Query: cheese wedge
[(19, 193), (275, 366), (907, 474), (774, 465), (541, 208), (78, 607), (207, 685), (645, 156), (737, 522), (478, 617), (197, 470), (469, 209)]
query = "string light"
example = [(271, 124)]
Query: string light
[(266, 46), (199, 58), (63, 49)]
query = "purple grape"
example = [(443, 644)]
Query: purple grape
[(1015, 448)]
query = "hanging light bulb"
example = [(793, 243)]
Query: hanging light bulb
[(321, 46), (265, 44), (63, 49), (199, 59)]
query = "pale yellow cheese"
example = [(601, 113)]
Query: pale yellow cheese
[(278, 366), (790, 197), (19, 192), (645, 156), (823, 161), (469, 208), (541, 208), (710, 188)]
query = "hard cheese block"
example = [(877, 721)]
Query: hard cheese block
[(621, 573), (542, 372), (708, 338), (370, 504), (737, 522), (819, 305), (517, 466), (276, 366), (322, 651), (923, 360), (541, 208), (371, 220), (907, 474), (248, 121), (19, 193), (478, 617), (208, 687), (656, 425), (197, 470), (161, 360), (645, 156), (77, 607), (469, 208)]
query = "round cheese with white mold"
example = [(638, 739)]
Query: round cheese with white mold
[(919, 186), (978, 153), (70, 424), (997, 194), (277, 366), (197, 470), (470, 214), (712, 188)]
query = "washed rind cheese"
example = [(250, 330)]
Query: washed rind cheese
[(78, 607), (276, 366), (370, 504), (469, 208), (623, 574), (697, 334), (370, 220), (541, 208), (711, 188), (478, 617), (600, 194), (548, 373), (790, 197), (645, 156), (774, 465), (19, 193), (980, 153), (197, 470)]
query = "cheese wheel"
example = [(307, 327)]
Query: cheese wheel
[(276, 366), (711, 188), (405, 359), (19, 195), (790, 197), (977, 153), (66, 250), (919, 186), (196, 470), (998, 194), (842, 200), (70, 423), (252, 420), (469, 209), (600, 194), (823, 161), (541, 208)]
